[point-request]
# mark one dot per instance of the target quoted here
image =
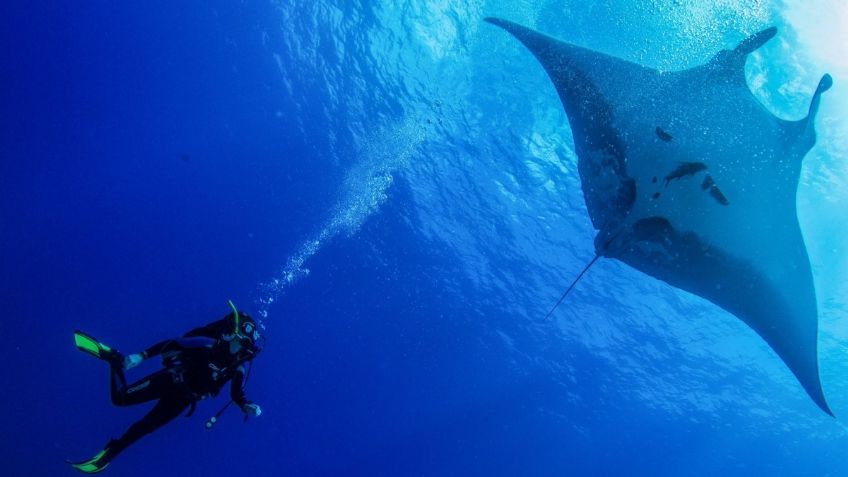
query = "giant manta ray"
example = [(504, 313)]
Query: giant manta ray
[(688, 178)]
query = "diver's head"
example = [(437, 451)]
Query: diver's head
[(247, 330), (242, 333)]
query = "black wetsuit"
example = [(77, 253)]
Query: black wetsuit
[(195, 367)]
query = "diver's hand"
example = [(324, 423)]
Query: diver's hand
[(252, 410), (133, 360)]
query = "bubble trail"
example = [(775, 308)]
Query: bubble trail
[(363, 192)]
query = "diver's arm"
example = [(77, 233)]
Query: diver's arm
[(178, 344), (156, 349), (133, 360), (238, 396), (237, 388)]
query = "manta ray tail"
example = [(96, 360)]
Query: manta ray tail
[(570, 287)]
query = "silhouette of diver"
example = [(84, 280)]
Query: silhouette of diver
[(194, 367)]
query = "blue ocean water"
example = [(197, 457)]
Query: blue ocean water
[(392, 187)]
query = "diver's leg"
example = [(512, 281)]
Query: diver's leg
[(163, 412), (117, 382), (145, 389)]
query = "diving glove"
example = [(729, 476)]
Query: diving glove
[(133, 360), (252, 410)]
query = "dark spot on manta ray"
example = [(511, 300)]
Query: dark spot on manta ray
[(663, 135), (656, 195), (715, 192), (708, 182), (685, 169)]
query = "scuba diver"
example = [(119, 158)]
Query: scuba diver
[(195, 366)]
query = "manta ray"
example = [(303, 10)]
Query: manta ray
[(688, 178)]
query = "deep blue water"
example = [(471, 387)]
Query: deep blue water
[(392, 186)]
